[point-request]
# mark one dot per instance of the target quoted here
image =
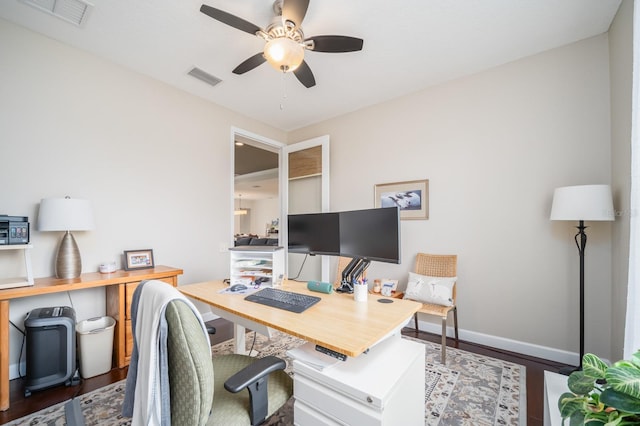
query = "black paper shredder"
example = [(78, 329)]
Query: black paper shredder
[(50, 348)]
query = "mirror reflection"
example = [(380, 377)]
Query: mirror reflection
[(256, 193)]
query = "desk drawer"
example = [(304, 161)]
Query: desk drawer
[(342, 408), (131, 287)]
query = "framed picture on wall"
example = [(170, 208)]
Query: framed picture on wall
[(138, 259), (412, 197)]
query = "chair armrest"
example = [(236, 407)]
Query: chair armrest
[(252, 373)]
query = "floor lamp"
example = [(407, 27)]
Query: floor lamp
[(581, 203)]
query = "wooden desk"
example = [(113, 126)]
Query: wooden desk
[(119, 284), (382, 386), (337, 322)]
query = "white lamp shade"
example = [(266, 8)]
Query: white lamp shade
[(583, 202), (65, 214), (284, 54)]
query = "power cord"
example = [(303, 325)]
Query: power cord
[(253, 343), (70, 301), (24, 335), (300, 270)]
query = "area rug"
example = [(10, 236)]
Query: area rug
[(471, 390)]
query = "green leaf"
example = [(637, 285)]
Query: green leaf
[(568, 404), (579, 383), (577, 419), (635, 359), (593, 366), (624, 377), (622, 402), (593, 422)]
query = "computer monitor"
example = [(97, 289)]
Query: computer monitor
[(364, 235), (371, 234), (314, 233)]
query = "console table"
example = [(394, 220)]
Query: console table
[(119, 290)]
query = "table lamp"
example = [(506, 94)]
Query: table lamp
[(66, 214), (582, 202)]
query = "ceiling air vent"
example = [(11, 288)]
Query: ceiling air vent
[(204, 76), (73, 11)]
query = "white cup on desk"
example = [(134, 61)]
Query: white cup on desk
[(360, 292)]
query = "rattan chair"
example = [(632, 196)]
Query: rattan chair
[(342, 263), (439, 265)]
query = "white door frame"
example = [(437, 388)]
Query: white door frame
[(322, 141), (283, 173)]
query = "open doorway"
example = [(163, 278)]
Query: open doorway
[(256, 189), (253, 190)]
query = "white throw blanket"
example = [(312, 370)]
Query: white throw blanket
[(149, 360)]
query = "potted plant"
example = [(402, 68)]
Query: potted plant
[(602, 394)]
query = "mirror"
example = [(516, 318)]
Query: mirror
[(256, 190)]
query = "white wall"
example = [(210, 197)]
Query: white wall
[(263, 212), (621, 68), (154, 161), (494, 146), (260, 213)]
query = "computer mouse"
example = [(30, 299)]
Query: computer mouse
[(237, 287)]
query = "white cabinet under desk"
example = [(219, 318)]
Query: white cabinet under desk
[(384, 386), (251, 262)]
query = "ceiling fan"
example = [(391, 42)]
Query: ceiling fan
[(285, 41)]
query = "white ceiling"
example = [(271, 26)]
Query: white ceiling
[(408, 45)]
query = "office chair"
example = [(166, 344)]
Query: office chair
[(206, 391), (438, 265)]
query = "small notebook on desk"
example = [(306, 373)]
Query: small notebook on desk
[(308, 354)]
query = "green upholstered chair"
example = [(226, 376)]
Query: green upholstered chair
[(228, 390)]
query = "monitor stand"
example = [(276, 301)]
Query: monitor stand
[(352, 273)]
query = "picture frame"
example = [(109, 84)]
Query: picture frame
[(138, 259), (392, 283), (412, 197)]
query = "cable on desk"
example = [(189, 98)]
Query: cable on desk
[(301, 266)]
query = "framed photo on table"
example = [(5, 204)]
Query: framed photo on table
[(412, 197), (138, 259)]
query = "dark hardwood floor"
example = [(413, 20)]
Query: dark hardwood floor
[(21, 406)]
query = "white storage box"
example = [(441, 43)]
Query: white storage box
[(95, 345)]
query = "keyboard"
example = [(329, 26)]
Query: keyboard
[(281, 299)]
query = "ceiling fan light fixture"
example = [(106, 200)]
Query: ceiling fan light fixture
[(284, 54)]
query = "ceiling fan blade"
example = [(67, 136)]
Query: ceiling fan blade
[(229, 19), (249, 64), (294, 10), (304, 75), (336, 43)]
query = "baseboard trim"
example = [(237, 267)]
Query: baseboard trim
[(531, 349)]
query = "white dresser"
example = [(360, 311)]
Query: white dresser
[(382, 387)]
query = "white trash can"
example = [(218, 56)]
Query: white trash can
[(95, 345)]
